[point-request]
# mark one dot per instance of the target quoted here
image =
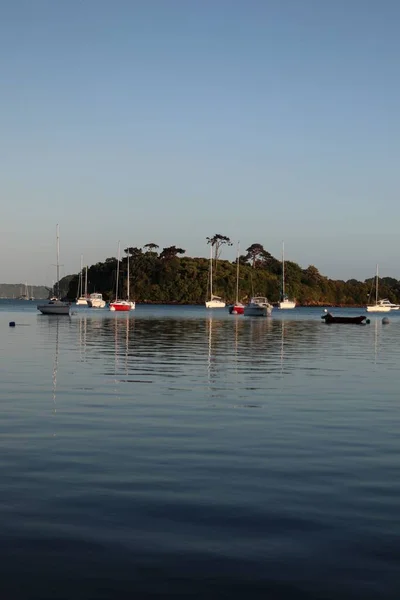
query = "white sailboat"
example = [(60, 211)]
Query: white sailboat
[(380, 305), (55, 306), (82, 297), (285, 302), (214, 301)]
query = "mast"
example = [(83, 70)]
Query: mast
[(116, 285), (237, 274), (127, 281), (211, 272), (86, 283), (58, 261), (283, 270), (376, 287), (80, 279)]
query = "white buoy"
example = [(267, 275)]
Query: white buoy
[(385, 321)]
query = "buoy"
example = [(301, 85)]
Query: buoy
[(385, 321), (12, 323)]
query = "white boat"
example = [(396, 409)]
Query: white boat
[(285, 302), (258, 307), (386, 302), (95, 300), (82, 298), (55, 306), (214, 301), (380, 305)]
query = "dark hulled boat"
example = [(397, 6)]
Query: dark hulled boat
[(360, 320)]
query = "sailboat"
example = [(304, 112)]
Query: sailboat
[(237, 308), (214, 301), (121, 305), (380, 305), (55, 306), (82, 298), (285, 303)]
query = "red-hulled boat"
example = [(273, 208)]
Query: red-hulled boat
[(236, 309), (120, 305)]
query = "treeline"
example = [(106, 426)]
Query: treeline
[(167, 276)]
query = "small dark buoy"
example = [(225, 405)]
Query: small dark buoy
[(367, 321), (12, 323), (385, 320)]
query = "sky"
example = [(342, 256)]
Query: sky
[(168, 121)]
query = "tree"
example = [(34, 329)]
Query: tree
[(151, 247), (171, 252), (255, 253), (217, 241)]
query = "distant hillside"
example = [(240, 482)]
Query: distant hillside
[(15, 290)]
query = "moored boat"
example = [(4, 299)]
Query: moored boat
[(258, 307), (285, 303), (380, 305), (330, 318), (55, 306), (214, 301), (237, 308), (121, 305), (95, 300)]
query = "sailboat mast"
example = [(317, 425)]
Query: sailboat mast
[(376, 287), (211, 272), (58, 260), (283, 269), (86, 283), (116, 285), (127, 281), (80, 279), (237, 274)]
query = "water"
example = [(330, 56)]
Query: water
[(177, 452)]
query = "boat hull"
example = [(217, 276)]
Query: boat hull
[(236, 309), (215, 304), (355, 320), (287, 304), (81, 302), (379, 308), (120, 306), (56, 308)]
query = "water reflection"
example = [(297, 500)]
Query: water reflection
[(55, 366), (142, 348)]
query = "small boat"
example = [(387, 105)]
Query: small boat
[(258, 307), (95, 300), (285, 303), (386, 303), (121, 305), (55, 306), (237, 308), (380, 305), (329, 318), (214, 301), (82, 298)]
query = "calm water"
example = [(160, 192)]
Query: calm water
[(176, 452)]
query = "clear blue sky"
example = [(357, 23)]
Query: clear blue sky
[(167, 121)]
